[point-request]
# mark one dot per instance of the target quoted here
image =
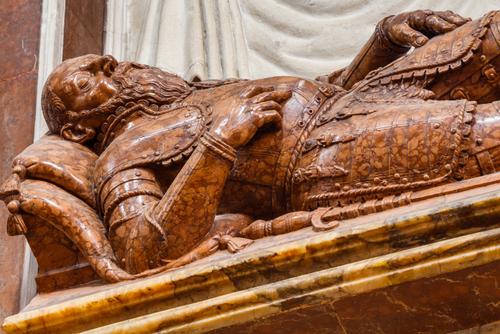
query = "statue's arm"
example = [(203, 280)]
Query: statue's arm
[(184, 214), (378, 51), (393, 37), (188, 208)]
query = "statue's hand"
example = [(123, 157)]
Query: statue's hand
[(258, 106), (415, 28)]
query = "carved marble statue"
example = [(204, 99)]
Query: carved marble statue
[(143, 171)]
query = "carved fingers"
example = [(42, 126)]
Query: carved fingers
[(415, 28), (259, 105), (404, 35), (452, 17), (266, 108)]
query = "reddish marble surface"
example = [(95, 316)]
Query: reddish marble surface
[(83, 27), (449, 302), (19, 38)]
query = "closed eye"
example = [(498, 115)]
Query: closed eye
[(83, 83)]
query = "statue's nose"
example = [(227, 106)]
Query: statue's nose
[(106, 64)]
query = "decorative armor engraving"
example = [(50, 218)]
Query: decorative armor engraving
[(145, 172)]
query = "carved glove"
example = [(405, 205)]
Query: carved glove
[(415, 28)]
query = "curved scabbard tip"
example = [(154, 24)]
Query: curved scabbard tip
[(317, 222)]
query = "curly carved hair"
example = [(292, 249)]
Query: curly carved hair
[(154, 86), (54, 110)]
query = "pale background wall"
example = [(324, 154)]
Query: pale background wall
[(252, 38)]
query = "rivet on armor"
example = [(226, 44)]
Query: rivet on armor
[(397, 176), (310, 111), (453, 146), (404, 180), (358, 185), (479, 141), (144, 156), (187, 115), (453, 130), (376, 180), (157, 153), (426, 177), (437, 126), (337, 186), (301, 123), (490, 73), (176, 146), (138, 173), (317, 99), (447, 167), (482, 58), (366, 185), (346, 188), (14, 206), (327, 91), (384, 183)]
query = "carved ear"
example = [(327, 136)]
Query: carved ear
[(77, 133)]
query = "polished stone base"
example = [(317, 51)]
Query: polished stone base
[(433, 267)]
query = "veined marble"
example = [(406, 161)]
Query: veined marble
[(450, 246)]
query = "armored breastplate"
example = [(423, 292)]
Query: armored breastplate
[(263, 170), (162, 137)]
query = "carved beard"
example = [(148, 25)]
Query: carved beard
[(141, 82), (136, 83)]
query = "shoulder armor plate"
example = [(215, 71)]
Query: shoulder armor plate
[(163, 139)]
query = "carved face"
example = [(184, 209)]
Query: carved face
[(81, 93), (85, 82)]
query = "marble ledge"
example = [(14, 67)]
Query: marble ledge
[(279, 279)]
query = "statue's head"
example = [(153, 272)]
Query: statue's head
[(81, 92)]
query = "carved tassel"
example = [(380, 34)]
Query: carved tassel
[(15, 222), (16, 225), (234, 244)]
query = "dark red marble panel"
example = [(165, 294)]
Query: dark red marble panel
[(441, 304), (19, 40), (83, 27)]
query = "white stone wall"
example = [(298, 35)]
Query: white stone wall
[(256, 38)]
